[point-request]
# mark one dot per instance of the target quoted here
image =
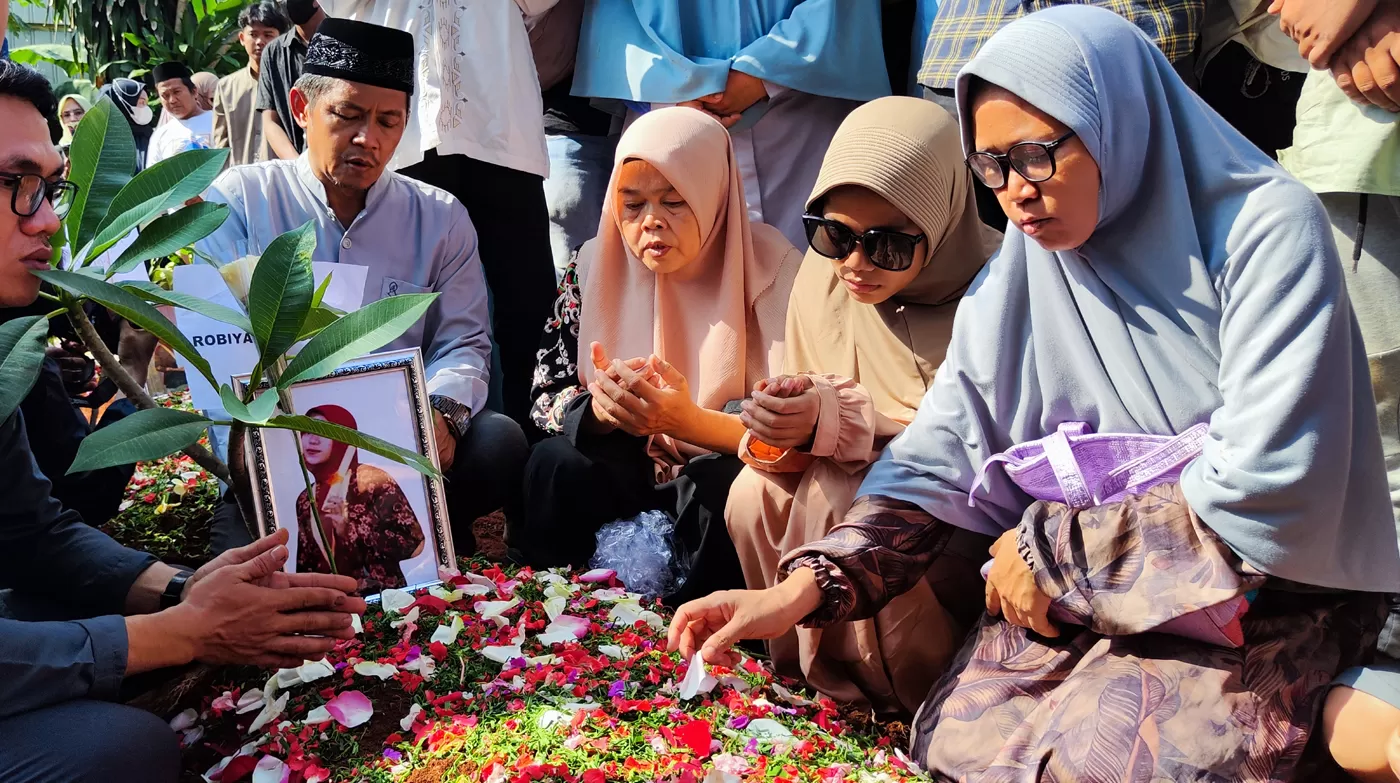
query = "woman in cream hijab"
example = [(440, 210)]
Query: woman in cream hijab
[(675, 312), (865, 335)]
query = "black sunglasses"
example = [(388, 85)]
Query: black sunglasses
[(1034, 160), (30, 191), (892, 251)]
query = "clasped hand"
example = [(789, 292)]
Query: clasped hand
[(740, 92), (1012, 592), (641, 396), (783, 411)]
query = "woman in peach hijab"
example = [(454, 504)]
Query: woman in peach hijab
[(895, 240), (676, 311)]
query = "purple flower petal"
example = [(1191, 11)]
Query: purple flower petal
[(617, 689), (393, 755)]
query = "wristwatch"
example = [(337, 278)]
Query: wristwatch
[(174, 589), (459, 416)]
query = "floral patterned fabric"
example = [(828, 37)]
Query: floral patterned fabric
[(1108, 702), (379, 530), (556, 384)]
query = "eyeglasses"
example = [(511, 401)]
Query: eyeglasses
[(30, 191), (892, 251), (1034, 160)]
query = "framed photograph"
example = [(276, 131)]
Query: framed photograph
[(384, 523)]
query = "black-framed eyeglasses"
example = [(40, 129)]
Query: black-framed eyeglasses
[(30, 190), (892, 251), (1034, 160)]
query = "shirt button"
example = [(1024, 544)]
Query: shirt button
[(345, 243)]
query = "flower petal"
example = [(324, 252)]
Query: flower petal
[(502, 653), (790, 697), (578, 626), (553, 607), (269, 712), (184, 720), (697, 680), (311, 671), (597, 575), (413, 712), (447, 632), (357, 624), (394, 600), (270, 769), (372, 669), (350, 709), (251, 699), (318, 716)]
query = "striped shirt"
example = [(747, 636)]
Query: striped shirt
[(962, 26)]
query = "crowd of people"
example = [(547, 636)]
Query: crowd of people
[(1041, 389)]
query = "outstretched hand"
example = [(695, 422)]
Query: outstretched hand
[(245, 611), (715, 623), (278, 578)]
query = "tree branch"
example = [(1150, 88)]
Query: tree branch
[(134, 391)]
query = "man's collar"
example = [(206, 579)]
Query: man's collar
[(318, 189)]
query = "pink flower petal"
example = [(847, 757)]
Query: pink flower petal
[(270, 769), (575, 625), (598, 575), (350, 709)]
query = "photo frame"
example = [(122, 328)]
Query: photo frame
[(370, 506)]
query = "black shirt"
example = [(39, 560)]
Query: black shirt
[(280, 69), (566, 114)]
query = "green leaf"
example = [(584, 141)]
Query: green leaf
[(317, 320), (321, 291), (21, 352), (144, 435), (103, 159), (279, 295), (357, 439), (154, 293), (169, 233), (358, 333), (256, 413), (164, 186), (132, 308)]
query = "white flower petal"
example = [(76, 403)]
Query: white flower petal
[(738, 684), (475, 590), (450, 596), (357, 624), (424, 665), (371, 669), (270, 769), (311, 671), (553, 607), (394, 600), (413, 712), (697, 680), (717, 776), (286, 678), (495, 610), (478, 579), (408, 619), (551, 718), (561, 590), (767, 728), (184, 720), (447, 632), (551, 638), (502, 653), (612, 651), (250, 700), (610, 595), (790, 697), (577, 626), (269, 713), (318, 716)]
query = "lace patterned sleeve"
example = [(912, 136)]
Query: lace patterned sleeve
[(556, 369), (881, 549)]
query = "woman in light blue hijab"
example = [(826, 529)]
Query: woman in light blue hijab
[(1168, 285), (781, 74)]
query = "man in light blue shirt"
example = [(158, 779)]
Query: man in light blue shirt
[(353, 102)]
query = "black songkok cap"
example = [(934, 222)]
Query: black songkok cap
[(362, 52), (172, 70)]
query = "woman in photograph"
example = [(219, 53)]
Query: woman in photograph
[(71, 110), (1164, 278), (866, 333), (368, 525), (675, 313), (131, 99)]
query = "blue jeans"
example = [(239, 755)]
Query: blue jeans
[(579, 168)]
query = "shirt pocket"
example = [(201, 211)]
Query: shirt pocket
[(392, 286)]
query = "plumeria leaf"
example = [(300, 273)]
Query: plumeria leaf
[(21, 354), (354, 438), (144, 435), (170, 233), (154, 293), (367, 329)]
